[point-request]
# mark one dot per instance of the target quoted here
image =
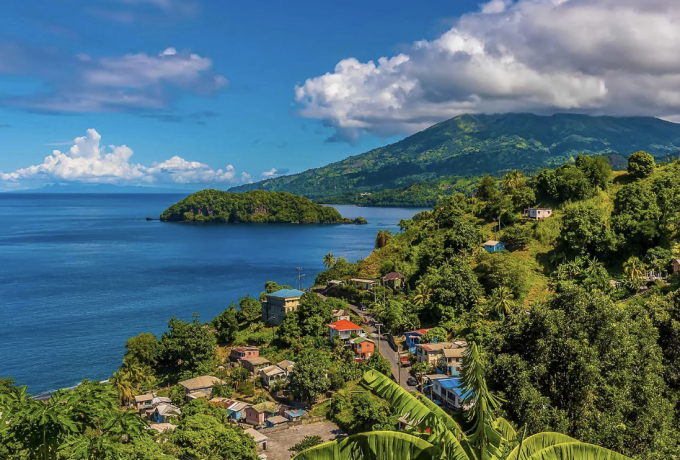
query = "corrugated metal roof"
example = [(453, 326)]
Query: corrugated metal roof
[(286, 293)]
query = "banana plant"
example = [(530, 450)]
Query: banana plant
[(434, 435)]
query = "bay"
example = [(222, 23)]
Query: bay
[(79, 274)]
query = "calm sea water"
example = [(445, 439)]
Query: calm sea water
[(79, 274)]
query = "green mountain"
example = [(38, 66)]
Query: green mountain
[(255, 206), (480, 144)]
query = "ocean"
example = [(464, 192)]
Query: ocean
[(79, 274)]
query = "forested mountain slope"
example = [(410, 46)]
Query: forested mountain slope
[(481, 144)]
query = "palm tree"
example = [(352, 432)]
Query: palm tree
[(512, 180), (423, 295), (329, 260), (382, 238), (502, 301), (124, 387), (634, 269)]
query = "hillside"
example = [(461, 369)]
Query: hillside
[(482, 144), (256, 206)]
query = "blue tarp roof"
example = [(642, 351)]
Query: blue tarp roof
[(285, 293), (452, 384), (296, 413)]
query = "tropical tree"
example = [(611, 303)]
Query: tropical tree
[(634, 269), (513, 180), (123, 385), (422, 295), (329, 260), (502, 301), (382, 238)]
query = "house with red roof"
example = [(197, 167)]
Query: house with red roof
[(413, 339), (344, 329)]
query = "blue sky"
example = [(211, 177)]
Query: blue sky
[(194, 93)]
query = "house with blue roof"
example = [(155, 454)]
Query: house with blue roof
[(278, 304), (448, 391)]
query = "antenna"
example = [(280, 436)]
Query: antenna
[(300, 276)]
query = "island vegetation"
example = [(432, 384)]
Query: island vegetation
[(256, 206), (570, 324)]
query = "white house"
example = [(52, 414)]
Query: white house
[(344, 329)]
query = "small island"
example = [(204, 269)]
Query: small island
[(255, 206)]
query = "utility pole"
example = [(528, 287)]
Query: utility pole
[(300, 276), (399, 362), (378, 324)]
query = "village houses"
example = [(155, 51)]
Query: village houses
[(239, 353), (448, 353), (255, 364), (200, 387)]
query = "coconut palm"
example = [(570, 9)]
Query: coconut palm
[(124, 387), (512, 180), (329, 260), (634, 269), (423, 295), (502, 301)]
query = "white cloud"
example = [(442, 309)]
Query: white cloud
[(597, 56), (270, 173), (88, 161), (132, 82)]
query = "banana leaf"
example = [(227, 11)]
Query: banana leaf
[(538, 442), (374, 445), (576, 451)]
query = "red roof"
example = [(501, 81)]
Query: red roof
[(344, 325), (420, 331)]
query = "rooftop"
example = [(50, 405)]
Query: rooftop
[(393, 276), (245, 349), (272, 370), (144, 398), (296, 413), (257, 436), (419, 331), (257, 360), (168, 409), (277, 419), (286, 293), (453, 352), (285, 363), (438, 346), (344, 325), (362, 340), (204, 381), (266, 406), (491, 243), (362, 280), (340, 312)]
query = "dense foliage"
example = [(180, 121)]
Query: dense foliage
[(478, 144), (255, 206)]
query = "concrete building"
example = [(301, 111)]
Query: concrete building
[(344, 330), (278, 304), (538, 213), (239, 353), (200, 387), (341, 314), (394, 280), (432, 353), (255, 364), (260, 439), (271, 375), (364, 284), (363, 348), (413, 339)]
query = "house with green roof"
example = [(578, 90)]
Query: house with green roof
[(278, 303), (259, 413)]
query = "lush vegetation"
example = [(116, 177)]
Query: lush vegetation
[(256, 206), (578, 319), (476, 145)]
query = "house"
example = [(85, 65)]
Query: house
[(200, 387), (344, 329), (235, 409), (340, 315), (240, 353), (287, 366), (676, 266), (260, 439), (363, 348), (334, 283), (163, 412), (413, 338), (453, 357), (538, 213), (255, 364), (449, 392), (494, 246), (394, 280), (278, 303), (272, 374), (361, 283), (276, 420), (160, 400), (144, 402), (257, 414), (431, 353), (294, 415)]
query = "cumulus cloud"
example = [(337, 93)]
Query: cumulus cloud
[(89, 161), (140, 83), (593, 56), (270, 173)]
